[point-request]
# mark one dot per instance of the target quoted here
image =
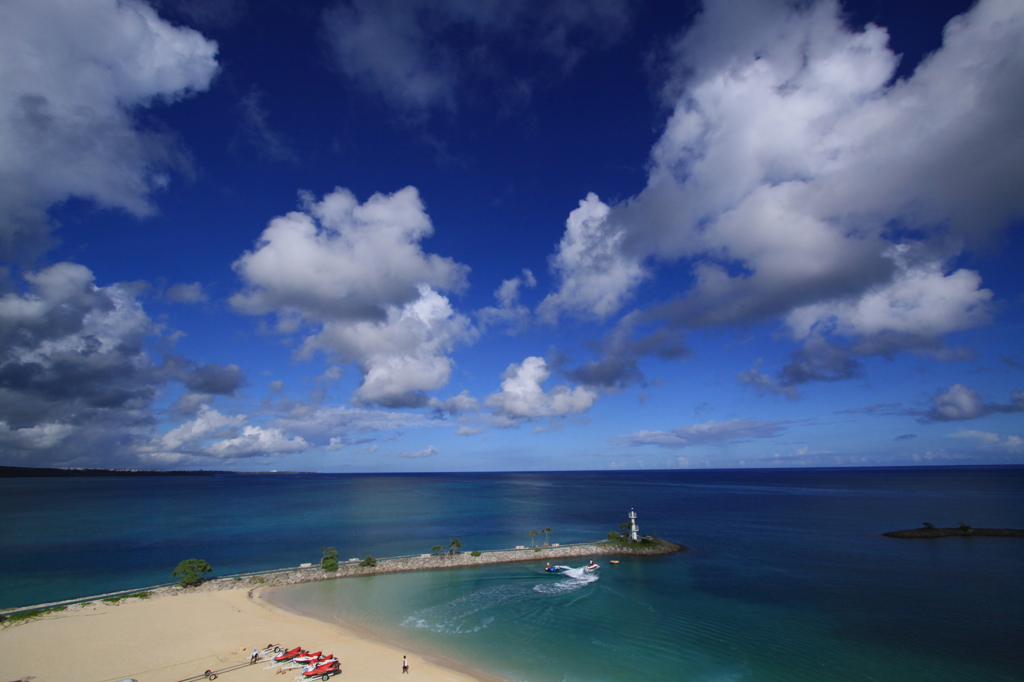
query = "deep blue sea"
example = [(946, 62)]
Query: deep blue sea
[(788, 576)]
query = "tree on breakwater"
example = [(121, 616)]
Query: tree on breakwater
[(329, 562), (533, 534), (454, 545), (190, 571), (547, 537)]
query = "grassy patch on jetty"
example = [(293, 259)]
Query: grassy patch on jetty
[(25, 616), (121, 597)]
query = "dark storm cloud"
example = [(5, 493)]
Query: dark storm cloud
[(76, 382), (819, 362), (213, 379), (618, 364), (72, 360)]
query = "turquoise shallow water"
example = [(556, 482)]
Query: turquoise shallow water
[(788, 577)]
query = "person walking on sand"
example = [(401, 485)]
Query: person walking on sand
[(255, 656), (405, 665)]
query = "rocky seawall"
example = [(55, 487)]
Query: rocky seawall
[(433, 562), (422, 562), (956, 532)]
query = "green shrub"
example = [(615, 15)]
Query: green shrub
[(122, 597), (26, 616), (329, 562), (190, 571), (474, 553), (368, 561), (614, 536)]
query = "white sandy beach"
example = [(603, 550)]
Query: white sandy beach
[(175, 637)]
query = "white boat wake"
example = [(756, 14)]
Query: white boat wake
[(574, 579), (475, 611)]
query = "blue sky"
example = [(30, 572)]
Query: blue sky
[(459, 236)]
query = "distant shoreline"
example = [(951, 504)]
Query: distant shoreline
[(43, 472), (422, 562), (918, 533)]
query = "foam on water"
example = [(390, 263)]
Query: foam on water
[(474, 611), (464, 614), (574, 579)]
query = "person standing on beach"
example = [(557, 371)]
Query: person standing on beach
[(405, 665)]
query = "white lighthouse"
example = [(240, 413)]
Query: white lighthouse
[(634, 530)]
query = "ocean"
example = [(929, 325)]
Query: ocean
[(787, 577)]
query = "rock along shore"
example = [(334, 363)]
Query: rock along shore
[(423, 562), (961, 532)]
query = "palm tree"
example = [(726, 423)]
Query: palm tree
[(454, 545), (533, 534), (547, 538)]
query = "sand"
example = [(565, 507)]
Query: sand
[(179, 636)]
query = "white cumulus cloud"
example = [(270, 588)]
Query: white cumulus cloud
[(595, 274), (708, 433), (523, 397), (214, 434), (357, 272), (342, 260), (796, 180), (997, 441), (72, 74), (961, 403), (255, 441)]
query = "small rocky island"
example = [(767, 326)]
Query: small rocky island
[(963, 530)]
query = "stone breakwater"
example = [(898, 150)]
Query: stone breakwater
[(430, 562), (957, 532), (435, 562)]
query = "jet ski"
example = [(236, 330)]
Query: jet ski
[(290, 654), (556, 569), (324, 671), (591, 567)]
